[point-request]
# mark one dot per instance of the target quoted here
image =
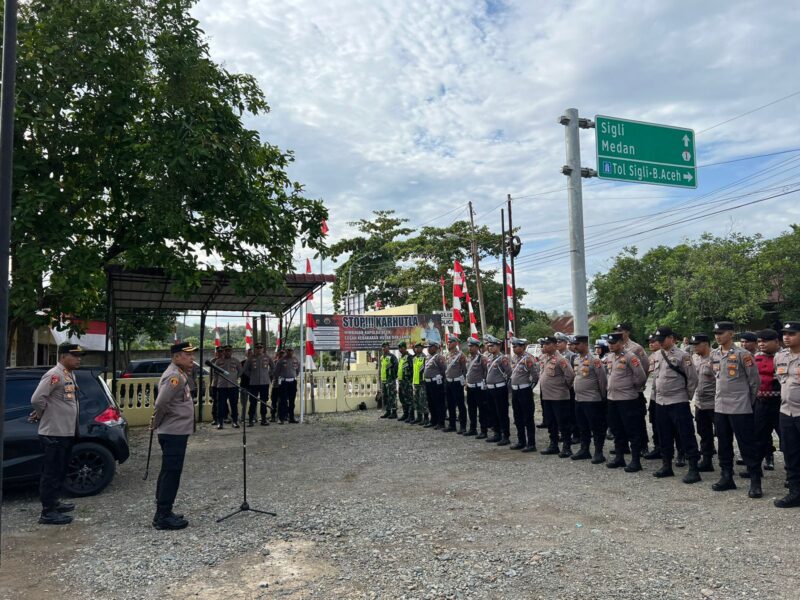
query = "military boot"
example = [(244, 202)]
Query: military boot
[(504, 441), (619, 460), (665, 470), (680, 460), (654, 454), (392, 415), (725, 481), (769, 462), (403, 416), (583, 453), (529, 448), (496, 437), (705, 465), (386, 414), (635, 465), (53, 517), (551, 449), (482, 435), (566, 449), (755, 485), (471, 432), (598, 457), (791, 499), (693, 474)]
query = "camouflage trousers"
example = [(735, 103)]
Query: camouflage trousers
[(420, 399), (389, 393), (406, 394)]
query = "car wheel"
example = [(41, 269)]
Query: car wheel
[(91, 468)]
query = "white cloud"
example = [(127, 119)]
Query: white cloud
[(422, 106)]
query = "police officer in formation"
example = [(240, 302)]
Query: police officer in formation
[(555, 383), (767, 410), (591, 391), (258, 369), (626, 377), (704, 399), (55, 408), (405, 390), (418, 385), (477, 404), (387, 374), (524, 377), (498, 370), (227, 394), (433, 376), (287, 369), (455, 374), (787, 370)]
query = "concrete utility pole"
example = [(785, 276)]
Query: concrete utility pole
[(476, 266), (511, 255), (573, 170), (505, 279)]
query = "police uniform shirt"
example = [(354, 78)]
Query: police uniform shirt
[(259, 369), (706, 383), (55, 401), (287, 368), (787, 371), (174, 409), (525, 370), (652, 363), (233, 367), (476, 370), (556, 377), (672, 387), (737, 380), (456, 366), (626, 376), (434, 368), (498, 369), (638, 351), (214, 373), (404, 367), (591, 383)]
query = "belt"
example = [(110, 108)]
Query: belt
[(437, 380), (290, 380), (521, 386), (472, 386), (459, 379), (494, 386)]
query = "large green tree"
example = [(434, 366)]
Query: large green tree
[(130, 149)]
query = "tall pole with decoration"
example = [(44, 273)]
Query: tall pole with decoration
[(458, 293), (444, 306)]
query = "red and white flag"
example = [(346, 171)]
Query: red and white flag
[(324, 227), (510, 301), (217, 341), (248, 333), (473, 321)]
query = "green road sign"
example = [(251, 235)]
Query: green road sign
[(645, 152)]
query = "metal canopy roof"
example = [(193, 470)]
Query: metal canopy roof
[(152, 289)]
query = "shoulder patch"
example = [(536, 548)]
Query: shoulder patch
[(563, 363), (598, 363), (748, 360), (174, 381), (635, 362), (54, 379), (687, 360)]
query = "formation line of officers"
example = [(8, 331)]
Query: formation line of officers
[(743, 392)]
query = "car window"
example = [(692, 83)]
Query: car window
[(142, 367), (18, 394), (159, 367)]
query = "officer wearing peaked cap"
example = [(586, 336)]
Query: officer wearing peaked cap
[(477, 405), (418, 384), (590, 400), (55, 408), (704, 399), (497, 374), (405, 390), (768, 403), (636, 349), (387, 372), (555, 384), (787, 370), (524, 376), (258, 370), (455, 374), (433, 375)]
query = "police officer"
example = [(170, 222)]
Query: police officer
[(626, 376), (498, 370), (768, 401), (477, 407), (675, 382), (590, 400), (404, 378), (787, 370), (433, 376), (288, 368), (227, 394), (524, 376), (555, 383), (173, 421), (418, 383), (737, 386), (214, 389), (704, 399), (55, 408), (749, 341), (387, 371), (454, 375), (275, 392), (638, 351), (565, 346), (258, 369)]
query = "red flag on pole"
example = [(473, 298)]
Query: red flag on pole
[(324, 227)]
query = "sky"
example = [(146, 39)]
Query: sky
[(422, 106)]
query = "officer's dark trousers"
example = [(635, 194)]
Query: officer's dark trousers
[(790, 445), (741, 426), (522, 404), (287, 396), (674, 422), (651, 416), (275, 397), (766, 415), (227, 399), (545, 415), (57, 452), (575, 429), (261, 393), (474, 402), (455, 400), (499, 398), (214, 404), (704, 420), (624, 418), (559, 416), (643, 418), (591, 418), (436, 402), (173, 451)]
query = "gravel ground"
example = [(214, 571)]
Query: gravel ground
[(374, 509)]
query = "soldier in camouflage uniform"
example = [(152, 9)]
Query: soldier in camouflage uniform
[(404, 389), (420, 399), (387, 373)]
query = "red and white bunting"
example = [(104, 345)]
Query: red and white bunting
[(248, 333), (444, 305), (308, 272), (217, 341), (278, 337), (510, 301), (311, 324), (473, 321), (324, 227)]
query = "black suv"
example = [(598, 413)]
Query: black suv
[(102, 432)]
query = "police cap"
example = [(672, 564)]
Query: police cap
[(490, 339), (748, 336), (791, 327), (74, 349), (579, 339), (473, 341), (614, 337), (515, 341), (183, 347), (721, 326), (698, 338), (767, 335)]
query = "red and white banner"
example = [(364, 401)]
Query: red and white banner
[(248, 333), (510, 301)]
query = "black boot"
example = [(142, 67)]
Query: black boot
[(635, 465), (680, 461), (598, 457), (693, 474), (482, 435), (725, 481), (551, 449), (471, 432), (541, 426), (450, 427), (755, 485), (769, 462), (654, 454), (462, 429), (583, 453), (169, 521), (619, 460), (745, 474), (403, 416), (386, 414), (705, 465), (566, 449), (504, 441), (517, 446), (392, 415), (791, 499), (529, 448), (426, 422), (53, 517), (494, 438), (665, 470)]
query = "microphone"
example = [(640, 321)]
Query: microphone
[(208, 363)]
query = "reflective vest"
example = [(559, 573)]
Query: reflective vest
[(385, 362), (419, 365)]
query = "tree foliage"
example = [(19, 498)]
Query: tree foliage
[(130, 149)]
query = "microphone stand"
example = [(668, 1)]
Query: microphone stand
[(245, 506)]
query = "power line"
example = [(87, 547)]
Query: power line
[(750, 112)]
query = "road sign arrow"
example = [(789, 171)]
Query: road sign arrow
[(685, 141), (688, 176)]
